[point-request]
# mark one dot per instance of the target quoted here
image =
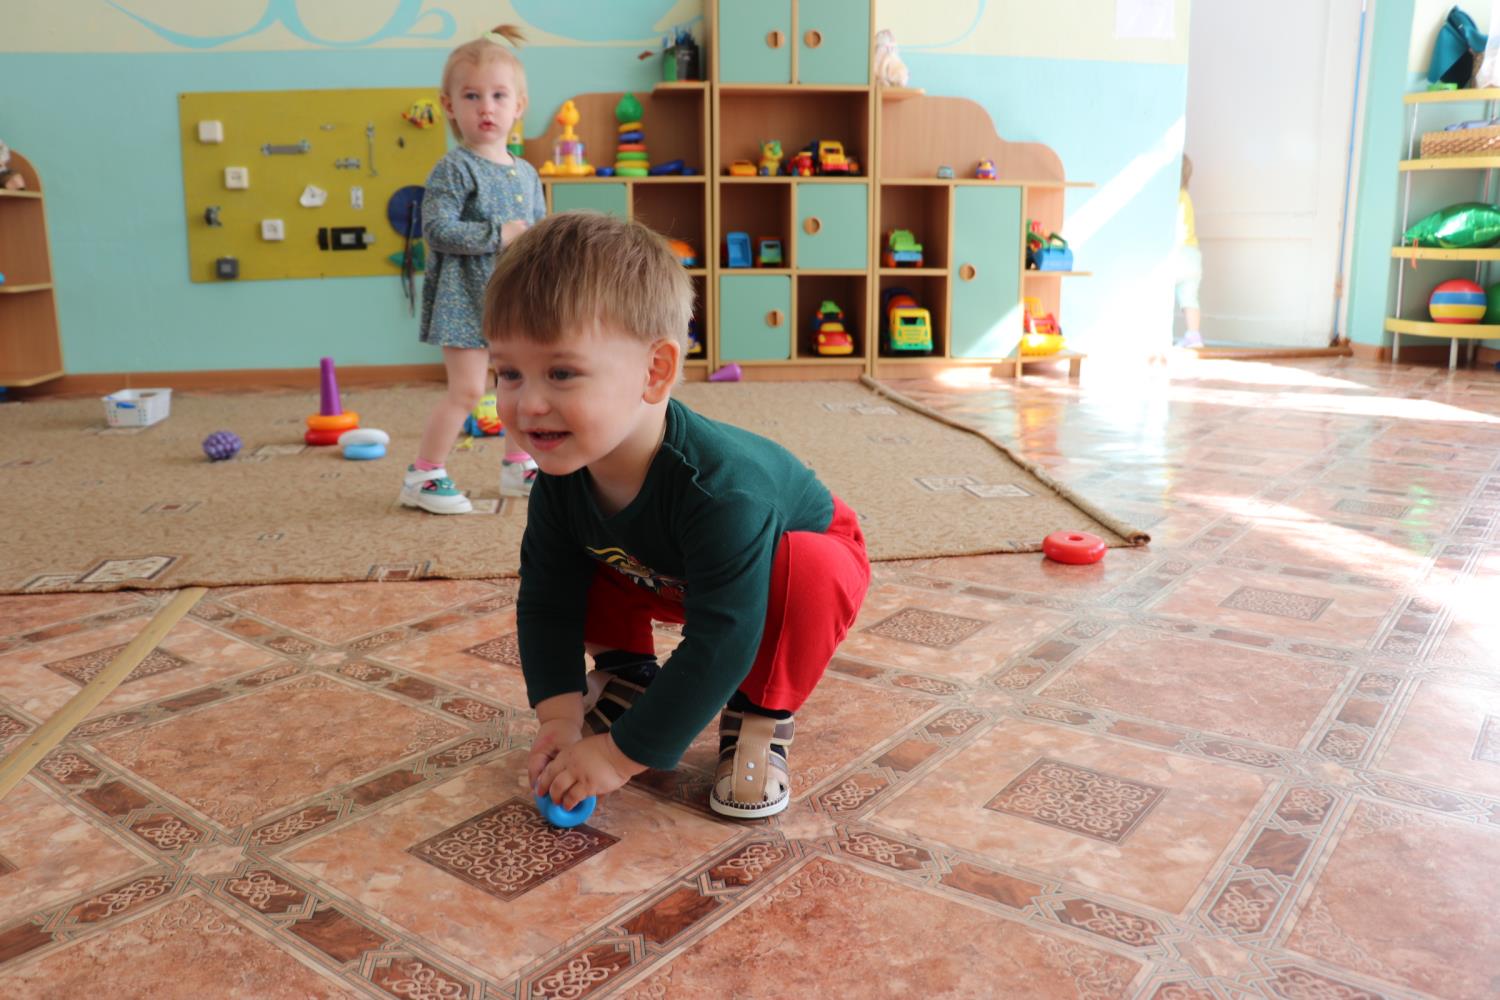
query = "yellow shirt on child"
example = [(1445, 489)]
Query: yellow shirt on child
[(1187, 226)]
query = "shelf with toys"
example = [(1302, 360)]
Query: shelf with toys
[(1457, 308), (947, 185), (632, 138), (30, 346)]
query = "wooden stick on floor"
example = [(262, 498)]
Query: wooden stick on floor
[(50, 733)]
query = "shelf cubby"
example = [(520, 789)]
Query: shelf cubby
[(748, 118), (923, 209), (759, 210), (848, 291), (931, 293), (678, 211), (675, 120)]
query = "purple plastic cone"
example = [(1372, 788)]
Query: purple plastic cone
[(331, 406), (729, 373)]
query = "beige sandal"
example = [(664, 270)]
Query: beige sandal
[(752, 780), (612, 690)]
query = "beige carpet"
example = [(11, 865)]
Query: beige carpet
[(86, 507)]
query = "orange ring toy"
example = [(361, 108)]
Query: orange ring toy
[(346, 421)]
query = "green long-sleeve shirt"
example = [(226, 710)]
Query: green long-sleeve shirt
[(704, 528)]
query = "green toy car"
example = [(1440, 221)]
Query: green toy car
[(902, 249)]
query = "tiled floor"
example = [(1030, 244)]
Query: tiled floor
[(1259, 758)]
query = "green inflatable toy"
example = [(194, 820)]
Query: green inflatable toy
[(1492, 296), (1457, 227)]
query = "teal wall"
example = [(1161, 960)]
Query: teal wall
[(102, 130), (105, 140), (1383, 146), (1119, 125)]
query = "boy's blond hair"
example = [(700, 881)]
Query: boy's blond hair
[(576, 268), (481, 51)]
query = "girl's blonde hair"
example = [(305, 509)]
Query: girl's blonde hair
[(488, 48)]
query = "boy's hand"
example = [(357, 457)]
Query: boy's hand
[(590, 766), (510, 230), (552, 737)]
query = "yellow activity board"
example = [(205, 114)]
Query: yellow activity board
[(299, 183)]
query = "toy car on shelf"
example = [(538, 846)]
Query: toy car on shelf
[(985, 170), (831, 159), (1040, 333), (741, 168), (907, 327), (736, 249), (945, 173), (902, 249), (801, 164), (768, 252), (829, 335)]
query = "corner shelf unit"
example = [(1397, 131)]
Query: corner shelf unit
[(30, 348), (1404, 257)]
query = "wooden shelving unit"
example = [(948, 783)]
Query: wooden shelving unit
[(30, 347), (800, 71)]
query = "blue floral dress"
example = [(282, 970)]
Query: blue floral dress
[(468, 198)]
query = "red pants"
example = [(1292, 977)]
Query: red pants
[(818, 582)]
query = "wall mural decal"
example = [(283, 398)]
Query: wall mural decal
[(408, 21)]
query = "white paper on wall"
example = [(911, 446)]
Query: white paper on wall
[(1145, 19)]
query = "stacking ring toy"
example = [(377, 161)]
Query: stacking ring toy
[(321, 439), (558, 816), (346, 421), (364, 452), (1078, 548), (364, 435)]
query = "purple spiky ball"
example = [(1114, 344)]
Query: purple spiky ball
[(221, 445)]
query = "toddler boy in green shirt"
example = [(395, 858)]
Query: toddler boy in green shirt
[(643, 510)]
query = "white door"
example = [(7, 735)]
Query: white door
[(1270, 91)]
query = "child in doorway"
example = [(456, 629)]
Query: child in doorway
[(645, 511), (479, 198), (1189, 261)]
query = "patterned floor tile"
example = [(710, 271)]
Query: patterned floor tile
[(1036, 575), (1281, 605), (945, 634), (23, 613), (516, 888), (336, 613), (191, 947), (1143, 825), (1213, 686), (1450, 736), (40, 678), (481, 655), (1401, 899), (859, 913), (52, 854), (242, 759)]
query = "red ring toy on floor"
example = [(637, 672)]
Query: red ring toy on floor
[(1077, 548)]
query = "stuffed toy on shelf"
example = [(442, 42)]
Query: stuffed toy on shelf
[(10, 180)]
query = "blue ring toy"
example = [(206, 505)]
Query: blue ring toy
[(555, 814), (364, 452)]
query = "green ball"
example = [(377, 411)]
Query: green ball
[(1492, 314)]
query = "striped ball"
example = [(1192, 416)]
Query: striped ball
[(1457, 301)]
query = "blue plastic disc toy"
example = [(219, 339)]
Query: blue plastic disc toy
[(364, 452), (558, 816)]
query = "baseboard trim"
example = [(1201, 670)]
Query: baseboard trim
[(1425, 354), (102, 383), (1257, 353)]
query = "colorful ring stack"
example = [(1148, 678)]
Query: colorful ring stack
[(631, 158), (331, 421)]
